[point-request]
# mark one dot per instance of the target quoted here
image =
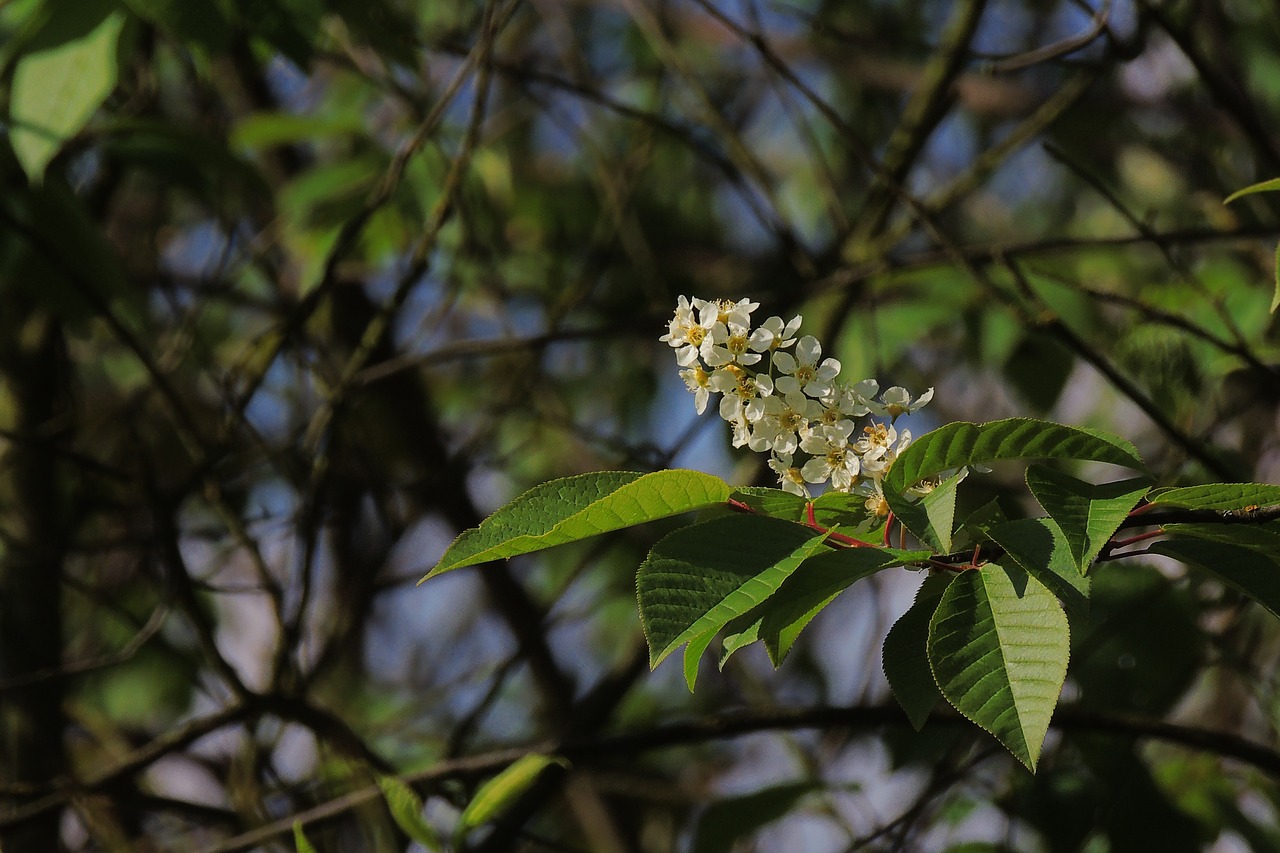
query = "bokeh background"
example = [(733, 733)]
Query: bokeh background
[(293, 291)]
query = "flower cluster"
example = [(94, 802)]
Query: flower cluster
[(783, 398)]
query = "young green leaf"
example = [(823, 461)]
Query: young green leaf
[(779, 620), (300, 842), (932, 518), (1260, 187), (698, 578), (406, 811), (998, 645), (495, 795), (959, 444), (1219, 496), (574, 508), (1040, 547), (57, 89), (906, 657), (1253, 573), (1087, 515), (773, 502)]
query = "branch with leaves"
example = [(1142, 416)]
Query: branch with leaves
[(989, 632)]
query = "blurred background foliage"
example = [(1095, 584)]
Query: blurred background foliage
[(292, 291)]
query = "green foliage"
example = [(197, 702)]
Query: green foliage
[(300, 842), (998, 646), (1039, 546), (289, 287), (580, 507), (1228, 497), (989, 637), (498, 793), (699, 578), (1263, 187), (1087, 515), (906, 655), (59, 86), (406, 811), (959, 444)]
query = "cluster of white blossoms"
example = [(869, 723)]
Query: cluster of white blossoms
[(783, 398)]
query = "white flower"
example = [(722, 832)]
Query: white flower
[(773, 335), (789, 477), (897, 401), (833, 457), (728, 345), (882, 450), (689, 328), (802, 372), (875, 503), (875, 441), (741, 401), (697, 380), (735, 313), (782, 418)]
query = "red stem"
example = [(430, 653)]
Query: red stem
[(1141, 537), (1147, 507)]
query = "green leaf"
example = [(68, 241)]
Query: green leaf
[(698, 578), (57, 89), (959, 444), (406, 811), (932, 518), (300, 841), (1264, 537), (906, 656), (266, 129), (1088, 515), (779, 620), (998, 645), (727, 821), (1041, 548), (1260, 187), (774, 502), (1219, 496), (495, 795), (1253, 573), (982, 519), (574, 508)]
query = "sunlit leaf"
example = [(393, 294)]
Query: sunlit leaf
[(699, 577), (998, 644), (1041, 548), (742, 600), (1235, 497), (498, 793), (57, 89), (932, 518), (406, 811), (574, 508), (958, 444), (773, 502), (779, 620), (1087, 514), (300, 842), (1261, 187)]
